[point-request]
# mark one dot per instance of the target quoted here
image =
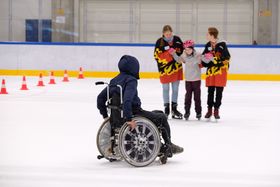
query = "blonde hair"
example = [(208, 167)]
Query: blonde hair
[(167, 28)]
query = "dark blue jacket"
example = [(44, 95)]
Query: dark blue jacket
[(129, 73)]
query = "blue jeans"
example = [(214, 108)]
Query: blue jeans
[(175, 90)]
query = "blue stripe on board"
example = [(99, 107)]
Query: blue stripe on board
[(124, 44), (80, 44)]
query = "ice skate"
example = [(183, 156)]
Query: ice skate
[(216, 114), (186, 116), (167, 109), (208, 114), (198, 116), (175, 113)]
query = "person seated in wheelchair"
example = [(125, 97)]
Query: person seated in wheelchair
[(128, 79)]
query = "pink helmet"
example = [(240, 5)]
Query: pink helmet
[(188, 44)]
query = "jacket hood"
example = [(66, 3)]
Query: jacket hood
[(129, 65)]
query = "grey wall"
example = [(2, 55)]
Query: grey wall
[(141, 21), (13, 14), (63, 32), (268, 31)]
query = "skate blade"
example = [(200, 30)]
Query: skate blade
[(174, 117), (216, 120), (208, 119)]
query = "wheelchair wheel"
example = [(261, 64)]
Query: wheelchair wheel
[(141, 146), (104, 142)]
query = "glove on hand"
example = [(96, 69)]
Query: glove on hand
[(208, 56), (171, 51)]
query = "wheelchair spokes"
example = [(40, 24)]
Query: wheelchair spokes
[(140, 146), (106, 144)]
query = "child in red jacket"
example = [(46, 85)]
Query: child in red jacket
[(216, 58)]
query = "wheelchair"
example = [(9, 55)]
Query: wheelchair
[(117, 141)]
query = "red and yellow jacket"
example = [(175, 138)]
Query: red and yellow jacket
[(217, 68), (169, 69)]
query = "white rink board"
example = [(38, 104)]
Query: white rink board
[(105, 58)]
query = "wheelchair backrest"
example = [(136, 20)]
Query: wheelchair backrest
[(115, 106), (114, 103)]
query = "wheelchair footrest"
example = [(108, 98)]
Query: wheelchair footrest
[(100, 157)]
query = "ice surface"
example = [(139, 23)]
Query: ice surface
[(47, 138)]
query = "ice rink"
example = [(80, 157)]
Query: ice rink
[(47, 138)]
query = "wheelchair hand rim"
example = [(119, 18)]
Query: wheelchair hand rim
[(140, 146)]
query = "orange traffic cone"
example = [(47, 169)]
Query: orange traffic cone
[(3, 88), (81, 75), (52, 81), (40, 82), (24, 86), (65, 78)]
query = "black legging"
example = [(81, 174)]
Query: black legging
[(159, 119), (219, 95), (193, 88)]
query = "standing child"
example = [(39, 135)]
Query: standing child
[(216, 58), (170, 71), (192, 60)]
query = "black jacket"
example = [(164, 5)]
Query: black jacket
[(129, 73), (220, 51)]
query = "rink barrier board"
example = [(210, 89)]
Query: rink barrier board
[(111, 72), (126, 44), (144, 75)]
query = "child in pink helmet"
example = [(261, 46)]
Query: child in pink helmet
[(192, 60)]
